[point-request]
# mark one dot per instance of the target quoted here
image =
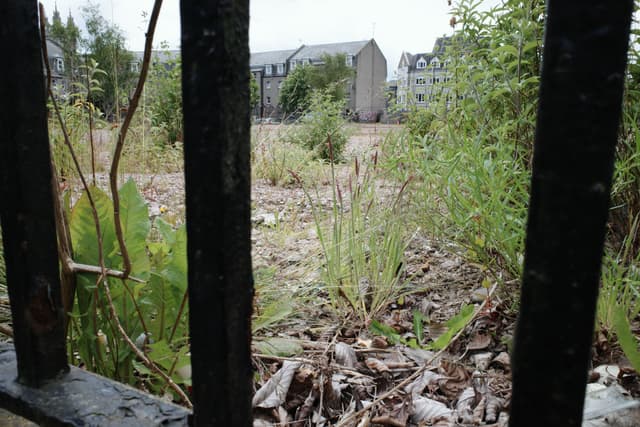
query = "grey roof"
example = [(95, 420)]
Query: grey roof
[(316, 51), (438, 49), (54, 49), (272, 57)]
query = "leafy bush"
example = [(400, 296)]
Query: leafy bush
[(322, 129), (419, 121)]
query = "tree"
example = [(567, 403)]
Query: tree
[(254, 92), (105, 44), (332, 76), (164, 88), (296, 91), (67, 36)]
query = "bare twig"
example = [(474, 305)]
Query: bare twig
[(108, 272), (347, 420), (133, 105)]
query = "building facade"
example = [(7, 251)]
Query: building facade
[(422, 78), (55, 57), (365, 94)]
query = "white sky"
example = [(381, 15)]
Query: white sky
[(400, 25)]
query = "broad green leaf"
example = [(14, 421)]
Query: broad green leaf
[(278, 347), (455, 324), (386, 331), (627, 340), (134, 216), (272, 314)]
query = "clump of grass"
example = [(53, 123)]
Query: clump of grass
[(274, 158), (363, 243)]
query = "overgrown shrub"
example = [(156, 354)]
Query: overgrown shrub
[(322, 123)]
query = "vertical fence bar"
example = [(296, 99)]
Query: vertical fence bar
[(26, 203), (215, 60), (583, 72)]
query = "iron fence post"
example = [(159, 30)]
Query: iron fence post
[(583, 72)]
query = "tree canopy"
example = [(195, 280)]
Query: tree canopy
[(330, 77)]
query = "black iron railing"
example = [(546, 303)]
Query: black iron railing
[(582, 82)]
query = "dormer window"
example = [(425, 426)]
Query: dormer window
[(292, 65), (280, 68), (59, 65), (268, 69), (421, 64), (349, 60), (435, 63)]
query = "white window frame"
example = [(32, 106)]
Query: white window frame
[(280, 68), (292, 65), (59, 64), (279, 84), (420, 81), (268, 84), (305, 61), (348, 60), (268, 69), (268, 100), (435, 64), (420, 98), (421, 64)]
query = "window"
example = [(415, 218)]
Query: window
[(267, 70), (437, 80), (420, 97), (268, 100), (135, 67), (420, 81), (280, 84), (435, 63), (59, 64), (349, 60), (268, 84), (305, 62), (292, 65), (280, 68), (421, 64)]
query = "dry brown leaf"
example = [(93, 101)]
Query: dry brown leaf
[(379, 342), (478, 411), (345, 355), (273, 393), (430, 411), (458, 379), (465, 405), (493, 408), (480, 341), (503, 360), (427, 380), (376, 365)]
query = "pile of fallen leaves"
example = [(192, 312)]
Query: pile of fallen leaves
[(366, 381)]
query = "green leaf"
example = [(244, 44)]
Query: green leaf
[(455, 324), (134, 216), (279, 347), (418, 329), (271, 314), (386, 331), (626, 338)]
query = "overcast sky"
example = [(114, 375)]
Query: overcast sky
[(396, 25)]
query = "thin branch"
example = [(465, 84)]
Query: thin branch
[(148, 363), (108, 272), (133, 105)]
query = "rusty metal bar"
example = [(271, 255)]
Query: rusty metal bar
[(26, 204), (215, 59), (585, 51)]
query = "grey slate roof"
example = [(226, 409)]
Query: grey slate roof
[(316, 51), (272, 57), (54, 49)]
